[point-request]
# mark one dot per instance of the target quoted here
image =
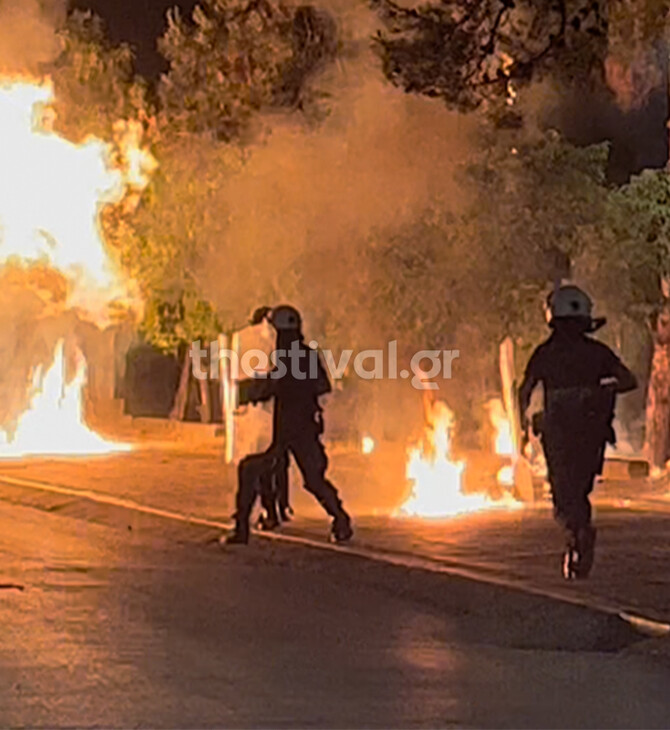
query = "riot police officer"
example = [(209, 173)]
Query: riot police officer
[(296, 383), (581, 378)]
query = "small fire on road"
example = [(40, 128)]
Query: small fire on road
[(436, 479)]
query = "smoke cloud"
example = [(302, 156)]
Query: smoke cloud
[(309, 199), (28, 33)]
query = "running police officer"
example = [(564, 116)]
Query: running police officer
[(581, 379)]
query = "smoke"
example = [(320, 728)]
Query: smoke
[(28, 34), (310, 198)]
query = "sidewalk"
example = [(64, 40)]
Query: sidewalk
[(521, 547)]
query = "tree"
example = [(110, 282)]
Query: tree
[(481, 55), (635, 63), (179, 218), (474, 55), (468, 280), (469, 54), (228, 62), (637, 236), (234, 58), (151, 235), (95, 82)]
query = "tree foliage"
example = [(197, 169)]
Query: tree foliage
[(228, 62), (473, 54), (155, 242), (533, 210), (234, 58), (538, 211), (468, 53), (95, 81), (180, 219), (633, 242)]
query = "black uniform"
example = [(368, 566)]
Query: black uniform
[(297, 429), (274, 492), (581, 378)]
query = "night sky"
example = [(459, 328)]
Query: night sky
[(137, 22)]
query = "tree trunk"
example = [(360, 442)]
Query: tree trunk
[(205, 408), (178, 412), (657, 432), (205, 402)]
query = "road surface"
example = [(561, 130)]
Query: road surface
[(119, 620), (519, 546)]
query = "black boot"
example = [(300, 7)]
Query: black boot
[(579, 554), (341, 531), (570, 558), (268, 523), (239, 536), (586, 546)]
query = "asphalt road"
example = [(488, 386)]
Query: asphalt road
[(143, 623), (519, 546)]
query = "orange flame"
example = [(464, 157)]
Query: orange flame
[(54, 423), (503, 441), (436, 479), (52, 194)]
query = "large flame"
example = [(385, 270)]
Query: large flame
[(54, 422), (52, 194), (53, 191)]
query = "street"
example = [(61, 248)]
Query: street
[(399, 268), (118, 619)]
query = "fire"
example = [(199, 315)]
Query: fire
[(503, 441), (52, 194), (506, 476), (54, 423), (437, 481)]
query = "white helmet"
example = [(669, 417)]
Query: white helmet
[(285, 317), (569, 301)]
